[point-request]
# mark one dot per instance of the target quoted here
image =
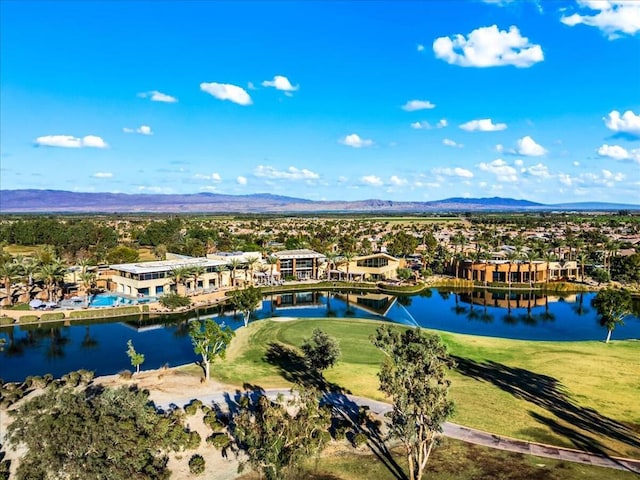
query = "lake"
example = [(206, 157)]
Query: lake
[(101, 347)]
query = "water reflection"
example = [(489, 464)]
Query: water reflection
[(164, 339)]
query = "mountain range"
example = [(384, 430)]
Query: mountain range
[(60, 201)]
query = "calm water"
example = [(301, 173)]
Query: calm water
[(101, 347)]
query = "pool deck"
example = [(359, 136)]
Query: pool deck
[(197, 301)]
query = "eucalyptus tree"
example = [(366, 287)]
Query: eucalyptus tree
[(613, 306), (413, 375), (209, 341)]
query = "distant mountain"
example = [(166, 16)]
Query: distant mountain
[(45, 201)]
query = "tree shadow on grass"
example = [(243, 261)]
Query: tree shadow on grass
[(548, 393), (293, 369)]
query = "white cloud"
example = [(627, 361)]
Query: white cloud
[(483, 125), (442, 123), (528, 147), (499, 148), (421, 126), (619, 153), (397, 181), (613, 17), (355, 141), (142, 130), (540, 170), (372, 180), (214, 177), (69, 141), (576, 163), (413, 105), (241, 180), (420, 47), (518, 162), (154, 189), (453, 172), (226, 91), (102, 175), (291, 173), (280, 82), (502, 171), (156, 96), (629, 122), (450, 143), (488, 47)]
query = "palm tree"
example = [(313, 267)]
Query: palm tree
[(88, 280), (252, 261), (331, 262), (178, 276), (197, 272), (233, 264), (346, 259), (9, 271), (51, 274), (582, 258), (272, 262), (220, 270)]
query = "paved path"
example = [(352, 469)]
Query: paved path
[(349, 405)]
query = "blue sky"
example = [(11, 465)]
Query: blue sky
[(324, 100)]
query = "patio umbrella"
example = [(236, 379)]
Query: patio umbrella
[(35, 303)]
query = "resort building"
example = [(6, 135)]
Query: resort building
[(157, 278), (374, 267), (299, 264), (504, 271)]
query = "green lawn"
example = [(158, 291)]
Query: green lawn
[(454, 460), (574, 394)]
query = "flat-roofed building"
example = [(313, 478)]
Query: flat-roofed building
[(301, 264), (374, 267), (157, 278)]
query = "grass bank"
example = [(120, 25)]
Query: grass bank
[(454, 459), (572, 394)]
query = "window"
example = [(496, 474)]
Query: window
[(375, 262)]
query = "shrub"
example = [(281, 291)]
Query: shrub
[(6, 321), (52, 316), (173, 301), (29, 319), (192, 407), (219, 440), (211, 419), (359, 439), (194, 440), (125, 374), (71, 379), (196, 464)]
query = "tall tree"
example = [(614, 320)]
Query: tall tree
[(245, 301), (209, 341), (277, 436), (234, 263), (413, 375), (92, 433), (51, 274), (612, 305), (9, 271), (321, 351)]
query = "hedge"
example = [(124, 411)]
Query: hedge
[(29, 319), (6, 321), (52, 316), (105, 312)]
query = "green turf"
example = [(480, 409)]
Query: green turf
[(574, 394)]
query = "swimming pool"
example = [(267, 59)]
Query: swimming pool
[(110, 300)]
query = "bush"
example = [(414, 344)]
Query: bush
[(212, 420), (219, 440), (52, 316), (6, 321), (359, 439), (29, 319), (196, 464), (173, 301), (71, 379), (125, 374), (105, 312), (194, 440), (192, 407)]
